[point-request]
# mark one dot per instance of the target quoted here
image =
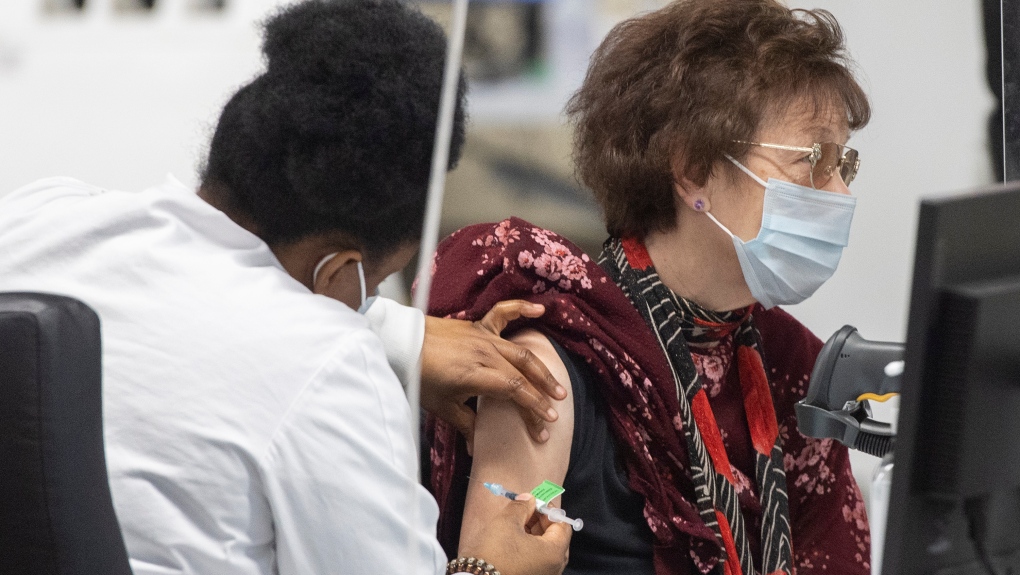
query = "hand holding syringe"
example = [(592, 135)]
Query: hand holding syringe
[(555, 514)]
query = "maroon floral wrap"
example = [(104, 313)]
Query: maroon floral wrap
[(588, 315)]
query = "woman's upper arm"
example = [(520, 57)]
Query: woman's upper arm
[(504, 453)]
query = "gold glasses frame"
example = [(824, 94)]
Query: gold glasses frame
[(848, 161)]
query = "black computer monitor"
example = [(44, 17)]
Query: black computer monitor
[(955, 500)]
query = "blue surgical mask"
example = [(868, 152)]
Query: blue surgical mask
[(803, 233), (366, 302)]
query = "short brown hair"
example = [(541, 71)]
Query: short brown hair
[(668, 92)]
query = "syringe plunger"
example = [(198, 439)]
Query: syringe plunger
[(557, 515)]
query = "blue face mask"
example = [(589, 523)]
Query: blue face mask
[(803, 233)]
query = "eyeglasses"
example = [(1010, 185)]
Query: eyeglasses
[(825, 158)]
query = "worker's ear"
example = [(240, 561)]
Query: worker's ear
[(337, 277)]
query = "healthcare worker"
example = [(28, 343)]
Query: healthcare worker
[(253, 424)]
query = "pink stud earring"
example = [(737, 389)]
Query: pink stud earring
[(699, 205)]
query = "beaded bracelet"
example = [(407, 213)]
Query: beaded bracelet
[(471, 565)]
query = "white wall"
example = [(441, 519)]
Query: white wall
[(119, 100)]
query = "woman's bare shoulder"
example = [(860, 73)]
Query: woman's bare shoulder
[(503, 451)]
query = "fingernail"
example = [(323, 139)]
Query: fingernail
[(561, 391), (524, 497), (551, 415), (544, 435)]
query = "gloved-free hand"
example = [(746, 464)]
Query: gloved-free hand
[(521, 541), (462, 359)]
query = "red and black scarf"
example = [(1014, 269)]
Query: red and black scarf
[(622, 320)]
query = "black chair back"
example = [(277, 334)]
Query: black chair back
[(56, 513)]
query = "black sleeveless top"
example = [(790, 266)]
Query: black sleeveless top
[(616, 538)]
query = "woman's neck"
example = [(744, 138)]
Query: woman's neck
[(698, 262)]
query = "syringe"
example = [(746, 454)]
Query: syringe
[(555, 514)]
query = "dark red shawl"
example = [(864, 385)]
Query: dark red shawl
[(590, 316)]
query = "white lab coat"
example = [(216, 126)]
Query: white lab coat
[(251, 427)]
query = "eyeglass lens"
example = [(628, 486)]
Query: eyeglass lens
[(829, 159)]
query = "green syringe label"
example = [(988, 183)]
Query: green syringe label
[(546, 492)]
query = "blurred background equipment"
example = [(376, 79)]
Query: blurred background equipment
[(1002, 46)]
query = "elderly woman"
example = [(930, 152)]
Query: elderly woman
[(713, 136)]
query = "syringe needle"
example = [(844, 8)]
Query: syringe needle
[(497, 489)]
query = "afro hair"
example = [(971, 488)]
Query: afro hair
[(337, 134)]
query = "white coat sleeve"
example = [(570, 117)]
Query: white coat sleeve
[(402, 331), (340, 471)]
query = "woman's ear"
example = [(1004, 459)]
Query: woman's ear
[(694, 197)]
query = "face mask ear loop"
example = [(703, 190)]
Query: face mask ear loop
[(318, 267), (361, 279), (744, 169), (724, 228)]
